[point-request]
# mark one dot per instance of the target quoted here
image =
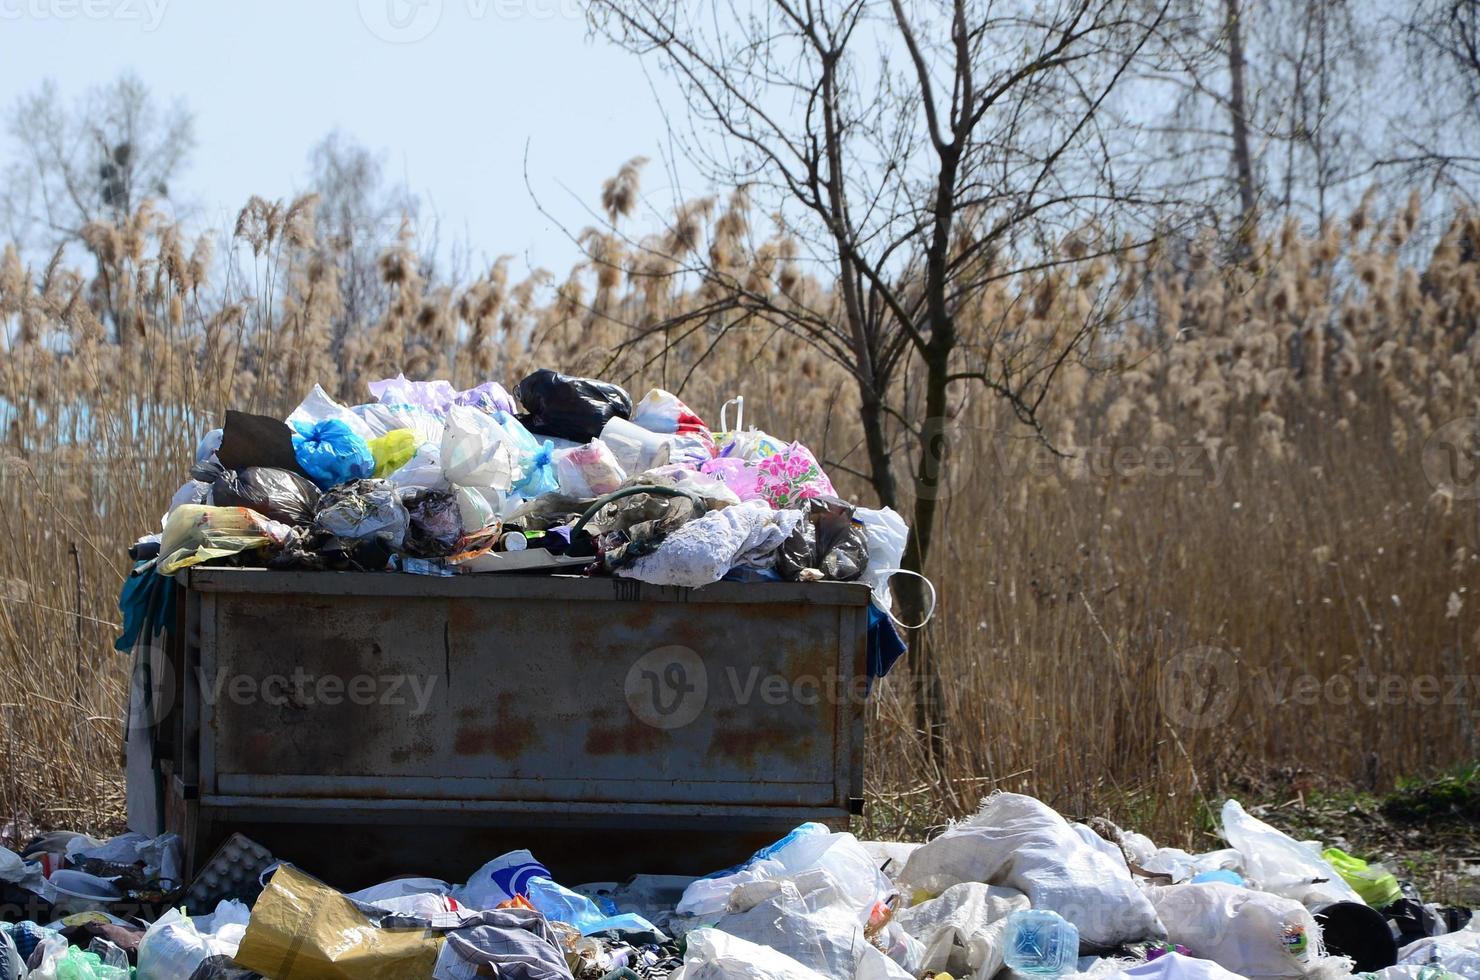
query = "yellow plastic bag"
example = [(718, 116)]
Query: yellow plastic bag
[(196, 533), (392, 451), (301, 929)]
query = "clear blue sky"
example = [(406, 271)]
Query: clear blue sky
[(449, 90)]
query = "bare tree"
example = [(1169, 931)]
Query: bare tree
[(359, 215), (97, 160), (918, 156), (1443, 47)]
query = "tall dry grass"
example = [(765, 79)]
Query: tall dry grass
[(1123, 628)]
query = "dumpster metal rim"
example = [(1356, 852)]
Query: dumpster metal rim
[(563, 588)]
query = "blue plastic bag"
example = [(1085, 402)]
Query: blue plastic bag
[(554, 901), (331, 453), (536, 458)]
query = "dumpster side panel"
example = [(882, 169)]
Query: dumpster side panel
[(537, 700)]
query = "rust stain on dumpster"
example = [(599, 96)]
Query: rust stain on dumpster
[(634, 739)]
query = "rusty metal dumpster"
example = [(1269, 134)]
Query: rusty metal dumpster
[(366, 725)]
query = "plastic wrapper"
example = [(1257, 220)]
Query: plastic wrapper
[(196, 533), (439, 396), (331, 452), (570, 408), (392, 451), (588, 471), (363, 510), (435, 526), (274, 493), (301, 929), (826, 545)]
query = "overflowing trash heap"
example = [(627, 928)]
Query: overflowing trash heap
[(1014, 890), (565, 474)]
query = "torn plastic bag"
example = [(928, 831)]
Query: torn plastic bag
[(1277, 862), (703, 550), (435, 523), (331, 453), (570, 408), (301, 929), (1017, 841), (277, 494), (196, 534), (320, 407), (588, 471), (392, 451), (257, 440), (962, 929), (827, 544), (439, 396), (362, 510)]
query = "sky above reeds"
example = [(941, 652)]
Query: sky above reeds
[(451, 92)]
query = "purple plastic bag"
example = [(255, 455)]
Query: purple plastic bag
[(439, 396)]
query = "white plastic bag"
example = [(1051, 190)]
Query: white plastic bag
[(500, 880), (173, 946), (1277, 862), (474, 453), (809, 846), (1458, 952), (319, 406), (1252, 933), (810, 916), (962, 929), (1174, 966), (714, 955), (886, 533), (1017, 841)]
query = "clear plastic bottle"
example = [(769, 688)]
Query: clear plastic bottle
[(1042, 943)]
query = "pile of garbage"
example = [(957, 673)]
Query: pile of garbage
[(1015, 890), (564, 474)]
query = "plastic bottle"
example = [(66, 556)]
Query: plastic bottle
[(1041, 942)]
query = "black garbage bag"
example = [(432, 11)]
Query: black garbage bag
[(257, 440), (319, 551), (283, 496), (570, 408), (826, 545), (436, 523)]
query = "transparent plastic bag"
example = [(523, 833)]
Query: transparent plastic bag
[(1279, 863), (588, 471), (364, 509), (196, 533), (274, 493)]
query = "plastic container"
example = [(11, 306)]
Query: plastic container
[(1359, 931), (78, 891), (1041, 942)]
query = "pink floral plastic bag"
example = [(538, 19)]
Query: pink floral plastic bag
[(791, 476)]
